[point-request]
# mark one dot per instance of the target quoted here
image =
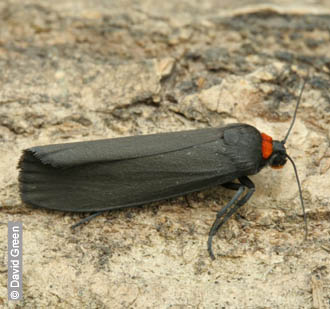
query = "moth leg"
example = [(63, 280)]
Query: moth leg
[(232, 185), (87, 219), (187, 201), (219, 221), (234, 204)]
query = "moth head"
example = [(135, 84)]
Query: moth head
[(278, 157)]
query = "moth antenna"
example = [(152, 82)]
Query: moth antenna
[(300, 194), (295, 113)]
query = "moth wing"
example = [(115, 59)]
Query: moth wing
[(125, 180), (105, 150)]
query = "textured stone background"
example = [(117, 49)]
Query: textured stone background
[(81, 70)]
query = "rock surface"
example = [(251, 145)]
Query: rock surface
[(83, 70)]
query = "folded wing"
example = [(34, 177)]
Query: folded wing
[(124, 172)]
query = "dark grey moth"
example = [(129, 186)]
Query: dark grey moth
[(101, 175)]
